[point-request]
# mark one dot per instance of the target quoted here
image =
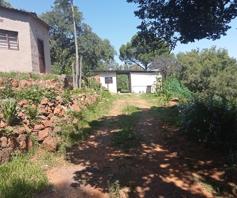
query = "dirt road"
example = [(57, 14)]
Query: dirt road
[(163, 164)]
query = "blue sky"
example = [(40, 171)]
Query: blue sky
[(115, 20)]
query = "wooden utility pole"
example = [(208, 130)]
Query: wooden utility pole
[(80, 76), (77, 69)]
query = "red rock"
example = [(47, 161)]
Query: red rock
[(29, 144), (15, 83), (11, 143), (21, 114), (38, 127), (50, 143), (23, 103), (2, 124), (22, 141), (75, 107), (44, 101), (43, 134), (21, 130), (48, 123), (58, 111), (59, 99), (3, 142)]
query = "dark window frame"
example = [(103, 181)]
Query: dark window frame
[(10, 36), (108, 80)]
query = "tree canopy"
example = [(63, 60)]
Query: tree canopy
[(186, 20), (96, 52), (210, 73), (142, 50)]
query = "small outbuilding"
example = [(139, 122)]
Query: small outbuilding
[(138, 81), (24, 42)]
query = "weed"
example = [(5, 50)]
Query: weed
[(9, 111), (114, 189), (32, 112), (7, 92), (128, 110), (125, 139), (21, 178)]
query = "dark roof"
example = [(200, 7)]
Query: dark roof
[(123, 71), (31, 14)]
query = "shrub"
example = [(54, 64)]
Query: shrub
[(9, 111), (92, 83), (32, 112), (123, 83), (7, 92), (212, 123), (35, 94), (173, 88)]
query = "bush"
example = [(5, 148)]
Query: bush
[(9, 111), (35, 94), (123, 83), (32, 112), (172, 88), (7, 92), (212, 123)]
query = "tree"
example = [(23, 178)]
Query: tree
[(98, 53), (167, 65), (209, 73), (186, 20), (5, 3), (142, 50), (94, 50), (61, 34)]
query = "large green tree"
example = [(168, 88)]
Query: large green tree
[(95, 51), (142, 50), (186, 20), (209, 73)]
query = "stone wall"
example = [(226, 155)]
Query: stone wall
[(51, 114)]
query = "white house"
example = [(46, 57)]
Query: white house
[(139, 81)]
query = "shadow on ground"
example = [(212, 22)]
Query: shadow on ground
[(163, 164)]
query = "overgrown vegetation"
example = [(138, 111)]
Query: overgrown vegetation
[(80, 123), (206, 89), (21, 178), (173, 88), (126, 138), (123, 83), (9, 111)]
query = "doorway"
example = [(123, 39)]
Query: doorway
[(42, 67), (123, 83)]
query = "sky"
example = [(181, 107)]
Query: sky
[(115, 20)]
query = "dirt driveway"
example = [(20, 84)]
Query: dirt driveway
[(163, 164)]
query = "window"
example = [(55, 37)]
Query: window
[(108, 80), (9, 40)]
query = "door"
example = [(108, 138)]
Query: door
[(42, 67)]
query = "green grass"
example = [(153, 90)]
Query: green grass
[(128, 110), (27, 76), (167, 115), (126, 138), (85, 120), (21, 178)]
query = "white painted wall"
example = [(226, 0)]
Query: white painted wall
[(140, 81), (111, 87)]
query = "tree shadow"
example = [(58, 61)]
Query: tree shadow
[(164, 164)]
